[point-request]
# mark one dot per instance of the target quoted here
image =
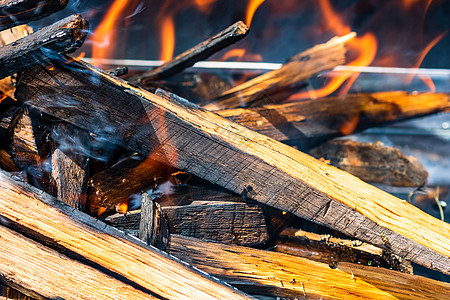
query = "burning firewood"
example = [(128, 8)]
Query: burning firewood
[(205, 49), (192, 139), (301, 67), (308, 122), (373, 162), (275, 274), (46, 220), (332, 251), (64, 36), (153, 225), (16, 12)]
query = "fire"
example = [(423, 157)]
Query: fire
[(251, 9), (105, 36), (167, 38), (204, 5)]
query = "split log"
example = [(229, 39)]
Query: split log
[(332, 251), (224, 222), (309, 122), (69, 165), (205, 49), (189, 138), (8, 293), (43, 273), (64, 36), (16, 12), (153, 226), (45, 219), (304, 65), (373, 162), (281, 275), (112, 189)]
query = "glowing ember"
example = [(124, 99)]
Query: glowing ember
[(251, 9)]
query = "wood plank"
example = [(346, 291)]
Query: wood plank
[(204, 144), (374, 163), (28, 210), (43, 273), (281, 275), (201, 51), (306, 123), (16, 12), (303, 66), (153, 225), (64, 36)]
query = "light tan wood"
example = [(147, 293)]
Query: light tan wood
[(41, 215), (209, 146), (43, 273), (299, 68), (277, 274)]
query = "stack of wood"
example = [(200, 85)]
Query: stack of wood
[(109, 191)]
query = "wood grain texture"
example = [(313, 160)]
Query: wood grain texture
[(64, 36), (211, 147), (153, 225), (8, 293), (41, 216), (205, 49), (43, 273), (303, 66), (311, 121), (281, 275), (373, 162), (16, 12)]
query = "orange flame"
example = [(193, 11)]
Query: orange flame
[(105, 36), (204, 5), (251, 9), (167, 38)]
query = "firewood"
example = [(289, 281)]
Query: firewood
[(224, 222), (311, 121), (69, 165), (64, 36), (111, 190), (8, 293), (265, 272), (153, 226), (194, 140), (373, 162), (205, 49), (6, 162), (16, 12), (332, 251), (43, 273), (47, 220), (302, 67)]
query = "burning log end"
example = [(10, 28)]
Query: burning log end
[(16, 12), (64, 36)]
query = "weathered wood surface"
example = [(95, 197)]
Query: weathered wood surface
[(8, 293), (69, 231), (111, 189), (304, 66), (373, 162), (224, 222), (278, 274), (70, 165), (332, 250), (64, 36), (204, 144), (311, 121), (153, 225), (16, 12), (205, 49), (43, 273)]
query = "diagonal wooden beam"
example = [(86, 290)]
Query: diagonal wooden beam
[(205, 144)]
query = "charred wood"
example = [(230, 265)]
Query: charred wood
[(280, 275), (153, 225), (179, 133), (302, 67), (205, 49), (16, 12), (44, 219), (306, 123), (64, 36), (373, 162)]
